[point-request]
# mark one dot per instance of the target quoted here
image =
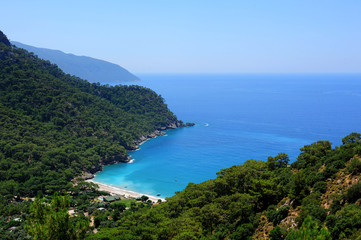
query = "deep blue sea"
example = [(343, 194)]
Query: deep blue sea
[(237, 117)]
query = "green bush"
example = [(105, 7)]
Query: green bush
[(276, 234), (309, 230), (277, 215), (244, 231), (318, 213), (353, 193), (335, 206), (320, 186), (329, 172), (338, 164), (345, 223), (355, 166)]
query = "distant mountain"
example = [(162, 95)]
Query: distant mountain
[(91, 69), (56, 126)]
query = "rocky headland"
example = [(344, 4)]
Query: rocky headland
[(159, 132)]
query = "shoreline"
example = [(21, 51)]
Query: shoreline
[(90, 173), (123, 192), (159, 132), (88, 177)]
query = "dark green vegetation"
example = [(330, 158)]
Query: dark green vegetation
[(54, 126), (48, 216), (67, 217), (52, 221), (298, 201), (91, 69)]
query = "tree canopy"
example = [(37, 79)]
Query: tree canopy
[(54, 126), (243, 198)]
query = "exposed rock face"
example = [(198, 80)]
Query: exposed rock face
[(172, 126), (116, 159), (87, 176), (159, 132), (178, 124)]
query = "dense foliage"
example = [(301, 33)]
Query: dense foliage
[(52, 221), (54, 126), (231, 206)]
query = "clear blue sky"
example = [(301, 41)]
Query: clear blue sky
[(196, 36)]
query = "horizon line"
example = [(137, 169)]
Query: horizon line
[(245, 73)]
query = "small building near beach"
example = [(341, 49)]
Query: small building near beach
[(111, 198)]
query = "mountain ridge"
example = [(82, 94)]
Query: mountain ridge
[(92, 69), (47, 115)]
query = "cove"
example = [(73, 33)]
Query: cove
[(237, 117)]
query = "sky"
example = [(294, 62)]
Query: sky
[(196, 36)]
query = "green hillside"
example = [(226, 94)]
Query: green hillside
[(54, 126), (316, 197)]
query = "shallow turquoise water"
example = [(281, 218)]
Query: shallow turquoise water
[(238, 117)]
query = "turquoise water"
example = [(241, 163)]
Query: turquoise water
[(238, 117)]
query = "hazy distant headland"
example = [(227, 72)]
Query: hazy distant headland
[(91, 69)]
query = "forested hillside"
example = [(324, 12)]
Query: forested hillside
[(316, 197), (54, 126)]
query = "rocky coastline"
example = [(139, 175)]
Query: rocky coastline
[(125, 158), (159, 132)]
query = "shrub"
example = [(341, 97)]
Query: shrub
[(318, 213), (320, 186), (338, 164), (310, 230), (277, 233), (353, 193), (346, 223), (330, 171), (335, 206), (245, 231), (275, 215), (355, 166)]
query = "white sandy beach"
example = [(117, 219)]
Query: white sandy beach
[(123, 192)]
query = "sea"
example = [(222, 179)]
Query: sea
[(237, 117)]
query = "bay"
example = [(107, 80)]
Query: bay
[(238, 117)]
